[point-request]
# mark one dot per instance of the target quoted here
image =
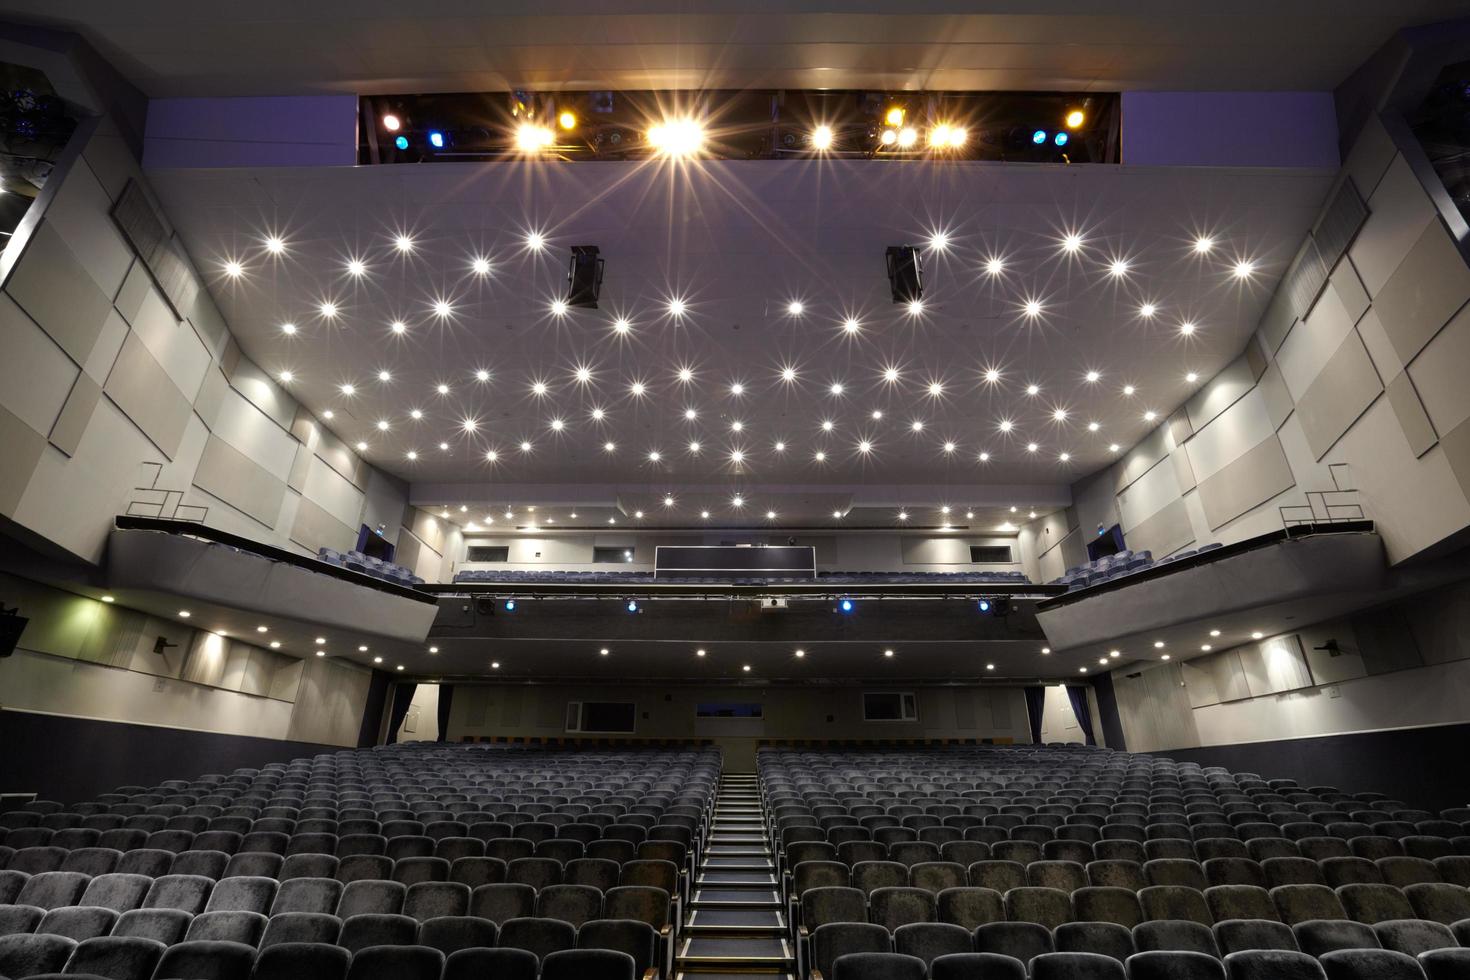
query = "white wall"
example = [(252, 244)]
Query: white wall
[(421, 724)]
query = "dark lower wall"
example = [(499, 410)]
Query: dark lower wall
[(1427, 768), (75, 759)]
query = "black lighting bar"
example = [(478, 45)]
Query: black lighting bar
[(1036, 127)]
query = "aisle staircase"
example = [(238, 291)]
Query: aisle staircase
[(736, 926)]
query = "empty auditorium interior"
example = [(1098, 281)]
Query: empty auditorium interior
[(793, 490)]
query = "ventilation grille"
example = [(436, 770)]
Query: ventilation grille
[(1305, 279), (163, 254), (1340, 223)]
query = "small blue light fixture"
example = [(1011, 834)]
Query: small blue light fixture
[(510, 605), (401, 142), (632, 605), (845, 605), (1060, 139), (436, 139), (1039, 137), (985, 605)]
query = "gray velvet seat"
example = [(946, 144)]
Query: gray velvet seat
[(539, 936), (928, 940), (301, 927), (878, 966), (1076, 966), (1101, 938), (27, 954), (117, 957), (79, 922), (477, 964), (1021, 940), (588, 964), (1174, 965), (977, 966), (408, 962), (372, 929), (302, 961), (164, 925), (1272, 964)]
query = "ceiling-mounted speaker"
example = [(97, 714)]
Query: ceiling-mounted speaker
[(584, 278), (905, 273)]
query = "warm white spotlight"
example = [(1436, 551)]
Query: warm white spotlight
[(1244, 269), (382, 425), (538, 388), (1191, 377), (480, 266), (384, 376), (621, 325), (482, 375), (347, 389), (557, 425), (795, 307), (356, 268), (535, 241), (737, 389), (677, 137), (288, 329), (286, 377), (1147, 310), (1094, 376), (442, 309), (1119, 268), (1060, 415), (995, 265), (329, 310), (1129, 390), (822, 138), (916, 307), (275, 245), (403, 243), (939, 241), (531, 138), (850, 325), (836, 388), (234, 270), (677, 307), (686, 375), (949, 447), (525, 446), (1203, 244), (1072, 243), (1032, 447), (1032, 308), (1187, 328), (558, 307), (398, 326)]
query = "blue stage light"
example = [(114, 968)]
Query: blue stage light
[(1060, 139), (1039, 137), (845, 605), (401, 142), (510, 605), (985, 605), (632, 605), (436, 139)]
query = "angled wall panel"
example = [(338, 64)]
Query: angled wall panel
[(1253, 479)]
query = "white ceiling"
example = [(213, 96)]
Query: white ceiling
[(738, 241), (272, 47)]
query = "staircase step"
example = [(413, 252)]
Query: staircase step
[(744, 921), (720, 862), (739, 951), (736, 897), (737, 850), (716, 878)]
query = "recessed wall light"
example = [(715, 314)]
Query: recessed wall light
[(1257, 635), (108, 598), (184, 614)]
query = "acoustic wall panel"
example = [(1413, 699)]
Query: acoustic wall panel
[(1411, 415), (1344, 389), (76, 414), (1276, 321), (1398, 211), (1163, 533), (233, 477), (143, 390), (1147, 495), (173, 343), (333, 493), (1439, 374), (1275, 396), (315, 528), (52, 286), (1428, 287), (35, 376), (1370, 156), (1349, 288), (1222, 391), (243, 426), (263, 392), (1183, 472), (79, 213), (1339, 222), (1312, 341), (1142, 457), (1248, 482), (1244, 425), (23, 449), (114, 333), (211, 396)]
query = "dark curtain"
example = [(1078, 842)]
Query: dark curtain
[(402, 698), (1078, 697), (1035, 705), (446, 698)]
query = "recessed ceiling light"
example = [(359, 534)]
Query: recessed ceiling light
[(654, 456), (362, 447), (398, 326), (819, 456), (795, 308), (1203, 244), (1032, 308), (400, 666), (866, 447), (677, 307), (837, 514), (917, 425), (990, 666), (949, 447), (495, 665), (329, 310), (328, 413), (903, 515), (184, 614), (525, 446), (1063, 457), (288, 328), (1081, 670), (1032, 447), (970, 514), (746, 668), (1214, 632), (694, 448), (992, 375), (411, 455), (686, 375), (828, 425), (1206, 647), (915, 307), (1186, 328), (482, 375), (995, 265), (382, 425), (737, 501), (1094, 376), (491, 456), (598, 415), (850, 325), (779, 447), (384, 376), (1013, 508), (935, 389), (1150, 416), (621, 325), (275, 245), (1118, 268), (836, 388), (535, 241), (1129, 389), (1147, 310), (1006, 425), (538, 388), (1033, 389), (1244, 269), (557, 425), (608, 447), (887, 653), (558, 307), (737, 426), (480, 266), (444, 446), (1114, 447), (890, 374), (984, 458), (286, 377), (443, 309), (788, 374), (737, 389), (234, 270), (1045, 650), (737, 456), (1191, 377), (403, 243), (1093, 426), (770, 515), (704, 514), (355, 267), (1060, 415)]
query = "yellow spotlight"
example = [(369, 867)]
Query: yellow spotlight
[(530, 138), (1075, 118), (567, 120), (894, 116), (889, 137), (822, 138), (677, 137), (957, 137), (908, 136), (939, 136)]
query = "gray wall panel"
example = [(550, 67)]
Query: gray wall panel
[(1248, 482), (1439, 374), (1420, 297), (211, 396), (1342, 392), (1380, 348), (1183, 471), (230, 475), (80, 215), (1350, 289), (1398, 211), (129, 299), (1276, 396), (1165, 532), (1222, 391), (140, 387), (1456, 445), (1411, 415), (1276, 321), (53, 287), (23, 449), (315, 528), (1142, 457), (1370, 156), (1179, 426), (66, 434), (299, 467)]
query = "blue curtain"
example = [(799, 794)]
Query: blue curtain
[(446, 698), (1035, 705), (1078, 697), (402, 698)]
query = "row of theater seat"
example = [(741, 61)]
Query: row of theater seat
[(823, 578), (1123, 563), (358, 562), (1347, 964), (484, 847), (990, 849)]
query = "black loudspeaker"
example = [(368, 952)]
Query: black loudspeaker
[(12, 625), (905, 273), (584, 278)]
